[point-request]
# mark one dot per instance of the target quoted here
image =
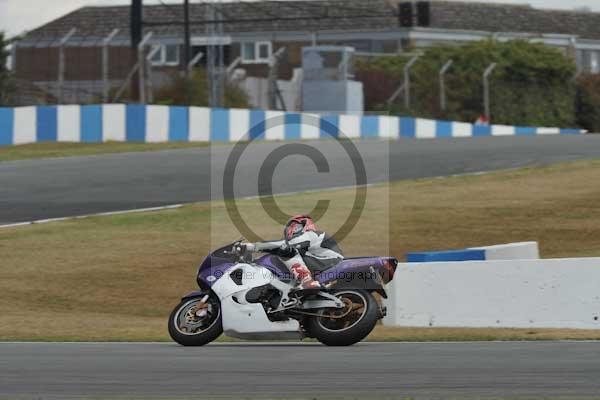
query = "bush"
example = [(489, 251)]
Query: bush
[(194, 92), (530, 86), (380, 80), (588, 102)]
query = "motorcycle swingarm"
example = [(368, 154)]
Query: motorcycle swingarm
[(331, 302)]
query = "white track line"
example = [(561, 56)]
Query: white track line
[(102, 214)]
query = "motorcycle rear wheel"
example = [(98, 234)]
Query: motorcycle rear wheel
[(196, 323), (347, 326)]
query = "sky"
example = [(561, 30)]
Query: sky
[(17, 16)]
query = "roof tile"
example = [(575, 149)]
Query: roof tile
[(324, 15)]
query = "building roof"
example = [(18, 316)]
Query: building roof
[(320, 16), (267, 16), (495, 17)]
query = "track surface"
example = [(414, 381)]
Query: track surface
[(366, 370), (50, 188)]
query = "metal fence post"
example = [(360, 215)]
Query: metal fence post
[(186, 37), (486, 90), (443, 71), (13, 56), (61, 64), (231, 68), (193, 62), (215, 54), (273, 90), (142, 68), (148, 64), (105, 64), (407, 68)]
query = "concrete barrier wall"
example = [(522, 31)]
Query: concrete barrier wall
[(553, 293), (140, 123), (510, 251)]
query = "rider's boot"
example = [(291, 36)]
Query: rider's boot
[(303, 275)]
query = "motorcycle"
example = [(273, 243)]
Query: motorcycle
[(254, 298)]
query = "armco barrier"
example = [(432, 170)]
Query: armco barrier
[(511, 251), (552, 293), (141, 123)]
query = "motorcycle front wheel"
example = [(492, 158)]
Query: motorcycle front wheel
[(344, 327), (196, 321)]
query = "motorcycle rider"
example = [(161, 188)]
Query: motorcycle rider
[(306, 243)]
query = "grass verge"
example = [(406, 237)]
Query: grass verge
[(116, 278), (53, 150)]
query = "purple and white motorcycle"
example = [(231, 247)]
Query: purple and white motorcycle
[(250, 298)]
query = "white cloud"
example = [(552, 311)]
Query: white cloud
[(17, 16)]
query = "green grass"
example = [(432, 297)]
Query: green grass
[(116, 278), (53, 150)]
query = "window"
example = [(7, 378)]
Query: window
[(171, 54), (166, 55), (594, 62), (248, 52), (256, 52), (264, 51)]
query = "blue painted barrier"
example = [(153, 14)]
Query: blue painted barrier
[(140, 123)]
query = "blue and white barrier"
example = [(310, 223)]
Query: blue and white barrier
[(141, 123), (447, 255), (511, 251)]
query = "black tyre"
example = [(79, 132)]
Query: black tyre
[(344, 327), (196, 321)]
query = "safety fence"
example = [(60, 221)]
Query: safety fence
[(154, 123)]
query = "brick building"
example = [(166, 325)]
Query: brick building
[(252, 31)]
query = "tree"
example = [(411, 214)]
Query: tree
[(588, 102), (531, 85), (7, 85)]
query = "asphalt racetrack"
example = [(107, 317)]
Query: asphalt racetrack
[(53, 188), (236, 371)]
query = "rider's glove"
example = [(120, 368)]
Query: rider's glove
[(287, 251), (240, 249)]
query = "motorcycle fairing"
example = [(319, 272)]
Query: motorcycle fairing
[(246, 320), (192, 295), (276, 266), (218, 263), (351, 265), (208, 274), (363, 273)]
